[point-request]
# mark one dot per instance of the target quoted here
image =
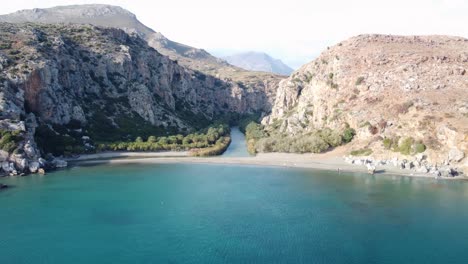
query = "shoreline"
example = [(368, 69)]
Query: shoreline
[(286, 160), (127, 155)]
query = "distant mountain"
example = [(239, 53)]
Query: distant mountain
[(259, 61)]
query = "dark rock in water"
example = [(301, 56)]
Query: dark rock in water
[(3, 186)]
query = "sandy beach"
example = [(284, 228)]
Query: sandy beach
[(328, 161)]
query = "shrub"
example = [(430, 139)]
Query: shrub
[(361, 152), (388, 143), (419, 147), (313, 143), (405, 147), (174, 142), (359, 80), (221, 145), (253, 133), (331, 137), (348, 134), (50, 141)]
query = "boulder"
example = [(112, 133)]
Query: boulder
[(449, 172), (370, 168), (21, 163), (422, 169), (59, 163), (455, 155), (420, 157), (42, 162), (34, 166), (41, 171), (3, 155), (408, 165), (8, 166)]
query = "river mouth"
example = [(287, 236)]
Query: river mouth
[(238, 146), (197, 213)]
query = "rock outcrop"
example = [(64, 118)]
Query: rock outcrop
[(385, 87), (75, 82), (117, 17)]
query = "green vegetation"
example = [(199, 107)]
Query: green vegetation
[(102, 129), (407, 146), (217, 149), (419, 147), (313, 142), (57, 140), (246, 120), (253, 133), (361, 152), (330, 82), (348, 134), (211, 141), (9, 140), (388, 143)]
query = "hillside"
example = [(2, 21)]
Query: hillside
[(114, 16), (402, 95), (67, 84), (258, 61)]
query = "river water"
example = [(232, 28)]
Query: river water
[(238, 146)]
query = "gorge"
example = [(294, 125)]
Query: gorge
[(92, 75), (136, 148)]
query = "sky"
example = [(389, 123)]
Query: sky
[(295, 31)]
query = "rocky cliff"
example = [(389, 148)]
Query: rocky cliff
[(117, 17), (66, 84), (395, 91)]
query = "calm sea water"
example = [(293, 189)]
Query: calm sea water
[(230, 214), (238, 147)]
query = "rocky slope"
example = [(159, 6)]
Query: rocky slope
[(258, 61), (64, 84), (399, 93), (117, 17)]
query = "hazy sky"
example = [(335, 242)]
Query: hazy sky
[(295, 30)]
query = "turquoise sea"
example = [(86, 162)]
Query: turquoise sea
[(182, 213), (187, 213)]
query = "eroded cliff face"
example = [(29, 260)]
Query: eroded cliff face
[(384, 87), (84, 78)]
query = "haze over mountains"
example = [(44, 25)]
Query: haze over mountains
[(258, 61)]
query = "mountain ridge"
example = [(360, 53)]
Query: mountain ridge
[(258, 61), (401, 95), (115, 16)]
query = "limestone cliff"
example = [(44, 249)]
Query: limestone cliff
[(387, 88), (81, 81), (117, 17)]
